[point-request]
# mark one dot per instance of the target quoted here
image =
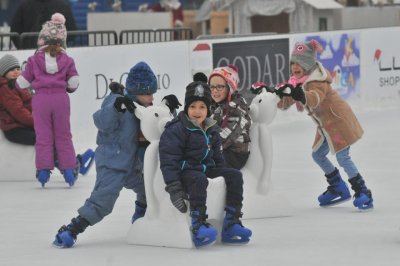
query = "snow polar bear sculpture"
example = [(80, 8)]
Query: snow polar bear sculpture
[(260, 200), (17, 162), (163, 224)]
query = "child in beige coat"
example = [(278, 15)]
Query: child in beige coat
[(337, 126)]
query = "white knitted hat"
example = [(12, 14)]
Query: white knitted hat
[(53, 31)]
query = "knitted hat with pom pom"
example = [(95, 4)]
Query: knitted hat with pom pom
[(141, 80), (304, 54), (229, 73), (197, 91), (53, 31)]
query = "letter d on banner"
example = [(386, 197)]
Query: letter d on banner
[(101, 76)]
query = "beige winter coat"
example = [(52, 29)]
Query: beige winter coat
[(334, 118)]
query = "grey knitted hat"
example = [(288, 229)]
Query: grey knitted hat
[(7, 63), (304, 54)]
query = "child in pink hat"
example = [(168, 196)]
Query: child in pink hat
[(52, 73)]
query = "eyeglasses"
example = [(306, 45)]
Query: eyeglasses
[(217, 87)]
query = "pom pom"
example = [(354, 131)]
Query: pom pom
[(200, 76), (316, 46), (58, 18), (233, 67)]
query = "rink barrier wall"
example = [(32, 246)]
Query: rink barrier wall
[(372, 55)]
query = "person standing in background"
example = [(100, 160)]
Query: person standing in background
[(31, 14)]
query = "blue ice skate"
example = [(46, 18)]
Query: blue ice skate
[(43, 176), (86, 161), (203, 234), (67, 234), (233, 232), (140, 210), (64, 238), (337, 191), (363, 196), (70, 176)]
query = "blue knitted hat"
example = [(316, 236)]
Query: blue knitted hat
[(141, 80)]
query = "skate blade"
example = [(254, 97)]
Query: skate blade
[(205, 244), (336, 202), (238, 243), (365, 208), (58, 245)]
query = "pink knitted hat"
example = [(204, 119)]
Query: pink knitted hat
[(53, 31), (229, 73)]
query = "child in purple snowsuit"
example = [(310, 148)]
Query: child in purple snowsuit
[(52, 73)]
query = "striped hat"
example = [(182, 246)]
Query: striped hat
[(7, 63)]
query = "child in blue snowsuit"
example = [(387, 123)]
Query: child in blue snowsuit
[(118, 163), (190, 151)]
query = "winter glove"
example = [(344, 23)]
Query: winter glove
[(11, 83), (122, 104), (172, 103), (298, 94), (284, 90), (177, 195), (116, 88), (256, 88)]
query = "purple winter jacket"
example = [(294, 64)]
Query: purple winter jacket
[(45, 72)]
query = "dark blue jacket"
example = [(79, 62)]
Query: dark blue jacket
[(186, 146)]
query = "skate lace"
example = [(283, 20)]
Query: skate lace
[(201, 220), (366, 192), (66, 228), (331, 189), (234, 219)]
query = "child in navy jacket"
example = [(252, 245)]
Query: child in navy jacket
[(190, 152)]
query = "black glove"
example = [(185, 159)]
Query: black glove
[(256, 88), (298, 94), (116, 88), (284, 90), (11, 83), (122, 104), (177, 195), (172, 103)]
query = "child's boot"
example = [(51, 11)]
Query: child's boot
[(43, 176), (66, 236), (85, 160), (337, 191), (203, 234), (70, 176), (140, 210), (233, 232), (362, 196)]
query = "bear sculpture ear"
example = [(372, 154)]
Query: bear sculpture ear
[(139, 111)]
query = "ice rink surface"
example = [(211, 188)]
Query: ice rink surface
[(30, 216)]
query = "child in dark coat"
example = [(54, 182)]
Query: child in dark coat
[(190, 152)]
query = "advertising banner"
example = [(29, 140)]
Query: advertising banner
[(381, 64), (256, 60), (341, 57)]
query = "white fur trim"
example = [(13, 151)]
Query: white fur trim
[(22, 82), (73, 82), (51, 64), (319, 74)]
